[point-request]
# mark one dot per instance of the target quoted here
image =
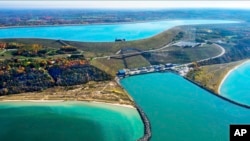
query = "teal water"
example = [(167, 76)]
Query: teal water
[(236, 85), (68, 121), (101, 32), (181, 111)]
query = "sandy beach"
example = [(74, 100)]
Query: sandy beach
[(228, 73), (115, 104), (55, 101), (38, 101)]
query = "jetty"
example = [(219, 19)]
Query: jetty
[(146, 123), (147, 128), (217, 95)]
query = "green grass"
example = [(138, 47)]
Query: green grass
[(184, 55), (92, 49), (211, 76), (45, 42), (107, 48), (98, 49), (137, 61), (6, 55), (110, 66)]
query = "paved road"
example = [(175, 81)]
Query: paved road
[(117, 53), (217, 56), (162, 48)]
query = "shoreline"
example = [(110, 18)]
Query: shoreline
[(115, 104), (228, 73), (147, 126), (87, 24), (63, 101), (116, 23)]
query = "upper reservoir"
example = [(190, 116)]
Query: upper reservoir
[(181, 111), (68, 121), (101, 32), (236, 84)]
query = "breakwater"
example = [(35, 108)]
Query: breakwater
[(213, 93), (173, 105), (147, 128)]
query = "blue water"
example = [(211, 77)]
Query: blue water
[(101, 32), (181, 111), (237, 85), (68, 121)]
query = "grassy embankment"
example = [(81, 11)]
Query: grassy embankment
[(91, 50), (181, 55), (211, 76), (99, 49), (97, 91)]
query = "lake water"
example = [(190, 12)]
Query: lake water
[(181, 111), (101, 32), (236, 85), (68, 121), (177, 109)]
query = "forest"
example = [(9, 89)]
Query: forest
[(27, 75)]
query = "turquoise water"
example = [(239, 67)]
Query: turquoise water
[(68, 121), (180, 111), (101, 32), (236, 85)]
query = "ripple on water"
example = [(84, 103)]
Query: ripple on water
[(68, 121), (103, 32), (236, 84), (179, 110)]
